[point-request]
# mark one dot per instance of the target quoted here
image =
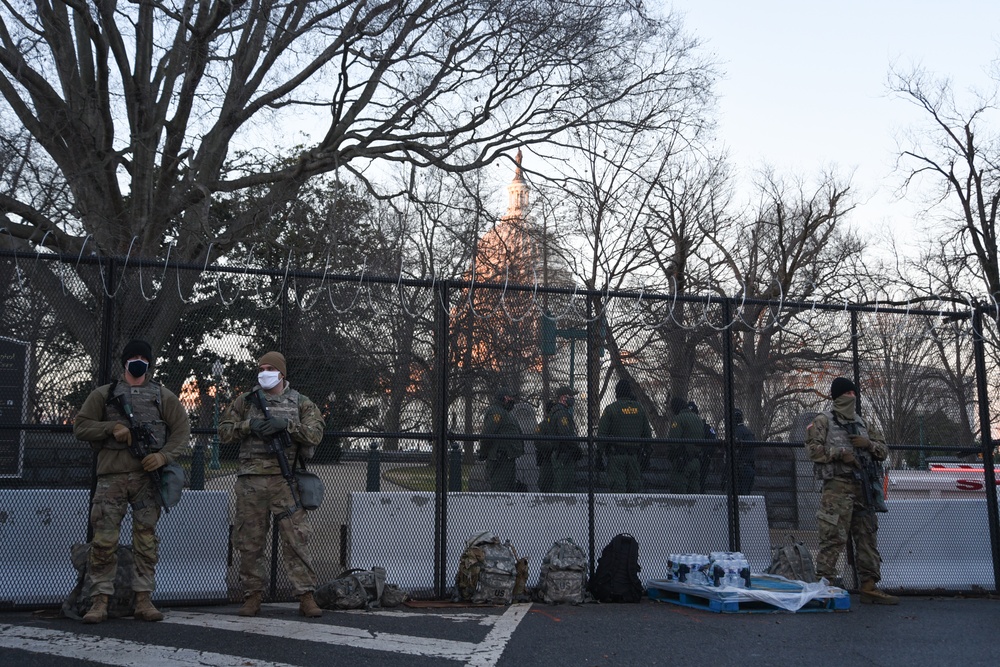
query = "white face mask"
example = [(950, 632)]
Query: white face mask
[(268, 379)]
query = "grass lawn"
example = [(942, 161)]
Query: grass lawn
[(420, 478)]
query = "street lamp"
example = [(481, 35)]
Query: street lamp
[(217, 369)]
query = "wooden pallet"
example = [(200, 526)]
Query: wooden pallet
[(735, 602)]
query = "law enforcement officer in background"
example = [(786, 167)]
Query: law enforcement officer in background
[(557, 458), (262, 491), (746, 465), (706, 452), (124, 480), (835, 440), (501, 454), (626, 421), (684, 457)]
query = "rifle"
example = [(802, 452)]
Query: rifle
[(867, 472), (277, 446), (142, 446)]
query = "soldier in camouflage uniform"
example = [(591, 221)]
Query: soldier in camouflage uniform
[(626, 421), (686, 425), (557, 458), (834, 440), (123, 480), (501, 455), (261, 491)]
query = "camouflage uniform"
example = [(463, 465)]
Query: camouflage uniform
[(501, 455), (686, 475), (121, 480), (261, 491), (558, 458), (625, 419), (841, 506)]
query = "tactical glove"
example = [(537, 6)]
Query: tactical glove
[(860, 442), (153, 461), (122, 433), (277, 424), (258, 427), (273, 426)]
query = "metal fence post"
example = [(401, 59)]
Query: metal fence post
[(989, 473), (374, 467), (198, 466), (455, 468)]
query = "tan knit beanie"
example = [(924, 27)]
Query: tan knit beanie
[(276, 359)]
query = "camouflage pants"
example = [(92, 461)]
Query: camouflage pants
[(624, 475), (841, 509), (114, 494), (258, 497)]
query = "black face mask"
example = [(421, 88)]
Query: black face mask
[(508, 403), (137, 368)]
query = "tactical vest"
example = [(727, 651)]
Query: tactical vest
[(285, 404), (837, 437), (146, 400)]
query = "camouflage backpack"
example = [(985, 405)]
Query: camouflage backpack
[(792, 560), (357, 589), (490, 571), (122, 603), (564, 574)]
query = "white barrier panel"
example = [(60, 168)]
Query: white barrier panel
[(38, 527), (194, 547), (383, 526), (935, 544)]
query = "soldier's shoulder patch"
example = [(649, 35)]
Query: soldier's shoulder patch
[(564, 421), (496, 418), (810, 426), (673, 424)]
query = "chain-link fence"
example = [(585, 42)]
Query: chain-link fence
[(404, 371)]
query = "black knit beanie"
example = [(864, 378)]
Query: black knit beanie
[(137, 348), (841, 386)]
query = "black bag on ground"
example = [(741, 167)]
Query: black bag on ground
[(616, 578)]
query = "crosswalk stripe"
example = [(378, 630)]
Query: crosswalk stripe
[(328, 634), (108, 651), (488, 652)]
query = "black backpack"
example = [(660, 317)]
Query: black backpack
[(616, 578)]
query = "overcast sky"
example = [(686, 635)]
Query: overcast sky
[(804, 84)]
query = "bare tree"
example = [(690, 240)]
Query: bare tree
[(952, 163), (958, 155), (793, 246), (135, 108)]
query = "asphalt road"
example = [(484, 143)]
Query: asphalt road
[(922, 631)]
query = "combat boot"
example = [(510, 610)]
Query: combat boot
[(144, 609), (872, 595), (251, 604), (308, 606), (98, 610)]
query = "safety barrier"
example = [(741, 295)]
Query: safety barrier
[(381, 524), (935, 544), (38, 527)]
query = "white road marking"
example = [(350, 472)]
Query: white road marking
[(107, 651), (488, 651), (459, 617), (110, 651), (328, 634)]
